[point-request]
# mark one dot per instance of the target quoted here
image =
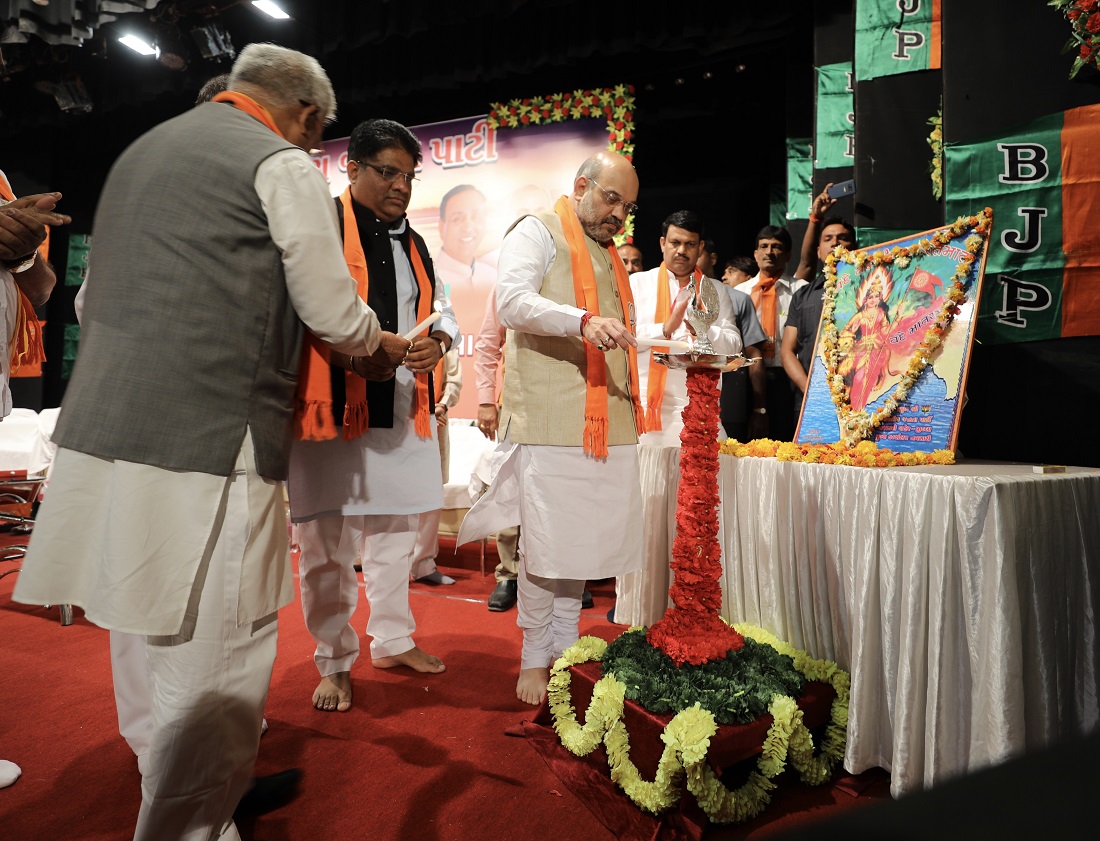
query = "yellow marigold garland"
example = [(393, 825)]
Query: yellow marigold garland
[(687, 737), (863, 454)]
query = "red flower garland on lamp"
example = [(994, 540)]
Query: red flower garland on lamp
[(692, 631)]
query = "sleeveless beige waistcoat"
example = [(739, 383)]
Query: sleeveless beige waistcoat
[(544, 376)]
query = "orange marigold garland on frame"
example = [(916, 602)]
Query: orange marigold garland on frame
[(692, 630)]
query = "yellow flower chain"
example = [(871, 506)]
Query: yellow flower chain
[(863, 454), (687, 737)]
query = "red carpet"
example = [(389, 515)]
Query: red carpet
[(417, 757)]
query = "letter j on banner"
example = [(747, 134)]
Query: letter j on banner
[(1043, 274)]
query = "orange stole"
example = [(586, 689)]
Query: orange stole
[(658, 373), (763, 298), (587, 297), (314, 419)]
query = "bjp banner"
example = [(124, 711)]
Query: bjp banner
[(475, 180), (835, 132), (1043, 182), (896, 36)]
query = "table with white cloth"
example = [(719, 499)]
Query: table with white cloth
[(963, 599)]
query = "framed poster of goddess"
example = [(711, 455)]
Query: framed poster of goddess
[(893, 346)]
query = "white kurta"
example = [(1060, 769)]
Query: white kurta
[(723, 334), (124, 540), (383, 471), (579, 518)]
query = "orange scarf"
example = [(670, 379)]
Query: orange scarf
[(764, 299), (26, 345), (251, 107), (313, 418), (587, 297), (655, 390)]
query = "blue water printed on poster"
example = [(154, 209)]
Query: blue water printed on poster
[(921, 424)]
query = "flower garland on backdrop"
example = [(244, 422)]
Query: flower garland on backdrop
[(856, 426), (1084, 16), (935, 140), (615, 104), (863, 454)]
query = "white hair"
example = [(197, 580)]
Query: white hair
[(288, 77)]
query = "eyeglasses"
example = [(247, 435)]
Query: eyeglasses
[(391, 173), (614, 199)]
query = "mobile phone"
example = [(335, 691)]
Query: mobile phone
[(844, 188)]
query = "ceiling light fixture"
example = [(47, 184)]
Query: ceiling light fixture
[(269, 7), (138, 45), (213, 41)]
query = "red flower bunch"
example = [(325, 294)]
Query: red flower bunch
[(692, 630), (1084, 15)]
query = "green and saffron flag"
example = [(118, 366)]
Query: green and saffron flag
[(1043, 183), (896, 36), (800, 178), (834, 143)]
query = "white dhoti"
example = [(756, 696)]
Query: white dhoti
[(579, 518), (208, 681)]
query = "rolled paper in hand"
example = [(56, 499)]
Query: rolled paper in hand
[(431, 319), (671, 344)]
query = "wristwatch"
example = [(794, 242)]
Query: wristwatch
[(761, 410), (24, 264)]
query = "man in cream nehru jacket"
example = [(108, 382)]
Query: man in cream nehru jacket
[(570, 416)]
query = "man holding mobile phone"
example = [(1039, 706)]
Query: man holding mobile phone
[(823, 234)]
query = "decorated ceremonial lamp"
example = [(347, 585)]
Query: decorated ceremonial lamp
[(692, 631)]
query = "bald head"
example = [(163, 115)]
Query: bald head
[(604, 186)]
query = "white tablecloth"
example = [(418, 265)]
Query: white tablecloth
[(963, 599)]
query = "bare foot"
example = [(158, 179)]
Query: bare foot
[(415, 659), (531, 688), (333, 693)]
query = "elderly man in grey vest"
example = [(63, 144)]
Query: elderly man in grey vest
[(570, 416), (165, 516)]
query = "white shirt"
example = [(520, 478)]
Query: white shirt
[(723, 334), (522, 266), (785, 288)]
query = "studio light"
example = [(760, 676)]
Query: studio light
[(138, 45), (213, 41), (71, 96), (269, 7)]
